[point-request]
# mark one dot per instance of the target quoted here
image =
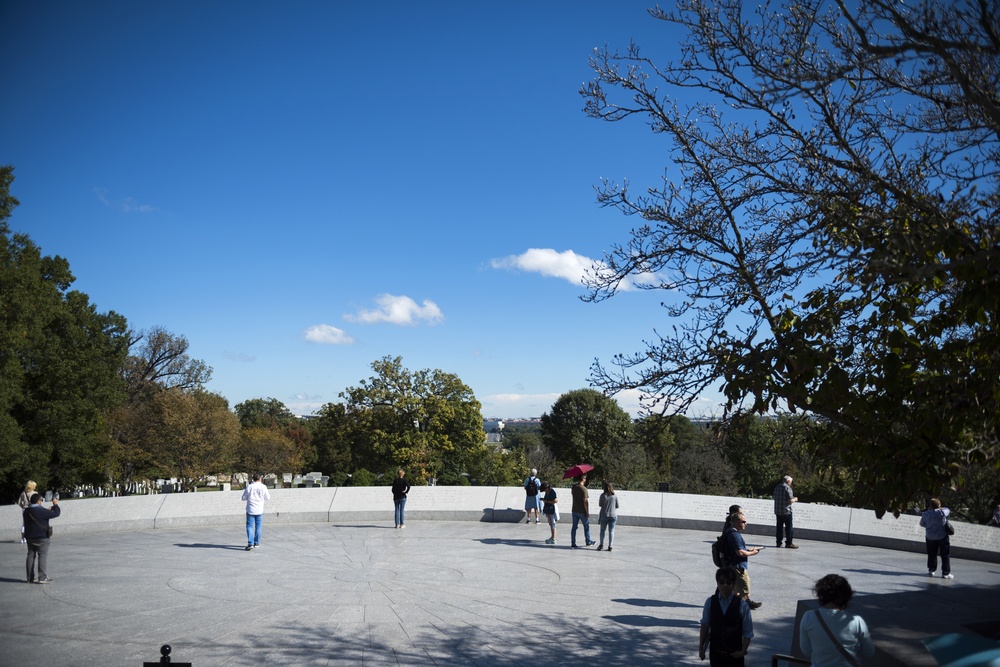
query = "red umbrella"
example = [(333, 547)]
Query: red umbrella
[(577, 470)]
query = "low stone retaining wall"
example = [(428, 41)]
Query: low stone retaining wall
[(502, 504)]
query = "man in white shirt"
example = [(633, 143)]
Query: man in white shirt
[(255, 494)]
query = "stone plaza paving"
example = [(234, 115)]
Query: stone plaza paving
[(439, 593)]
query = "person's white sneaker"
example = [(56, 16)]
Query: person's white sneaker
[(947, 576), (930, 573)]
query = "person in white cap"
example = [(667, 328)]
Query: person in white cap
[(532, 496)]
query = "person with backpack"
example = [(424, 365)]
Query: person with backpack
[(531, 496), (737, 554)]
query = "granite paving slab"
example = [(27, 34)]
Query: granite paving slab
[(438, 593)]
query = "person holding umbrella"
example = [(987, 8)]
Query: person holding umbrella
[(581, 503)]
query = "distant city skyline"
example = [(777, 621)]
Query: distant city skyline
[(301, 190)]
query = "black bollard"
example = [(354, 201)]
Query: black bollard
[(165, 659)]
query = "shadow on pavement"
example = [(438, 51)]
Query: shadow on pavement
[(639, 602), (199, 545)]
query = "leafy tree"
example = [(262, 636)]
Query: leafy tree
[(159, 360), (422, 421), (267, 450), (364, 477), (195, 434), (583, 425), (827, 234), (628, 465), (655, 435), (301, 438), (487, 466), (975, 495), (131, 430), (264, 412), (272, 414), (59, 359), (701, 469), (332, 439), (750, 446), (696, 461)]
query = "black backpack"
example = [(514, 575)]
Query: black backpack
[(531, 488), (720, 551)]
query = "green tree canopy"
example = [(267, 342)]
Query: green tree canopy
[(423, 421), (263, 412), (826, 236), (583, 425), (59, 361)]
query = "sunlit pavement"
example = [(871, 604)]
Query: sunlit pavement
[(436, 593)]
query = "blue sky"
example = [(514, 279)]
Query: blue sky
[(303, 188)]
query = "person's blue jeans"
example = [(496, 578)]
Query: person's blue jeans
[(784, 525), (609, 525), (254, 523), (400, 515), (579, 517)]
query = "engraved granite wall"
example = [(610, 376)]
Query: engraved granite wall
[(502, 504)]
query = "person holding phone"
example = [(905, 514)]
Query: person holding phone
[(738, 553), (37, 533)]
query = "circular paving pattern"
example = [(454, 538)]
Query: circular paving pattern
[(438, 593)]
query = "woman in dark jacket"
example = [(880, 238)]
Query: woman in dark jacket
[(400, 487)]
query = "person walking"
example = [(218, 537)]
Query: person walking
[(37, 533), (726, 624), (24, 502), (400, 487), (733, 509), (608, 516), (550, 510), (831, 636), (995, 519), (737, 555), (935, 523), (783, 499), (532, 499), (255, 494), (581, 511)]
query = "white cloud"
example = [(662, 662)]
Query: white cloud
[(398, 310), (327, 335), (569, 266)]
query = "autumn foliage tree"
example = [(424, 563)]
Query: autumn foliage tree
[(826, 237), (194, 434)]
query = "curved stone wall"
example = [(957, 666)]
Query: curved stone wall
[(501, 504)]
